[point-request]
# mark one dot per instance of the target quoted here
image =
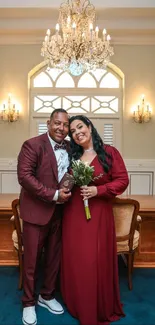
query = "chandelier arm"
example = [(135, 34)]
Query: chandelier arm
[(77, 47)]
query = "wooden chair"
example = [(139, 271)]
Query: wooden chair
[(127, 231), (17, 237), (127, 234)]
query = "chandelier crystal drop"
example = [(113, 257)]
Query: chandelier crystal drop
[(76, 46)]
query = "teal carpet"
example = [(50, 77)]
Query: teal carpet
[(139, 304)]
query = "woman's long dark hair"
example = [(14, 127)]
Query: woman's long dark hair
[(76, 151)]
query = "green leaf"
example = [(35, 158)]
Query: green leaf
[(82, 172)]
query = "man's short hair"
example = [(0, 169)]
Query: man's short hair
[(58, 110)]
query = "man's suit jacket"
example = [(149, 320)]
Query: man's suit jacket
[(38, 175)]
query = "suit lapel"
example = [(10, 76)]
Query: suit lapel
[(51, 155)]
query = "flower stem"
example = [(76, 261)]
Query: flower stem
[(87, 211)]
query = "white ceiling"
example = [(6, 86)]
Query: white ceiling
[(128, 21), (56, 3)]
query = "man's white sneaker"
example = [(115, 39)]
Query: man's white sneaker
[(29, 316), (52, 305)]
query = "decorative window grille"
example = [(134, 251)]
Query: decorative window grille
[(97, 94)]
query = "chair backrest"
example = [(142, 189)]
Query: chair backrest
[(18, 223), (125, 215)]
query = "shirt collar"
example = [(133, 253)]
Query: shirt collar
[(53, 143)]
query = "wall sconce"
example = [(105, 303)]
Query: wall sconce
[(9, 112), (143, 112)]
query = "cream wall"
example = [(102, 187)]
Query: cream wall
[(138, 66), (136, 62), (14, 79)]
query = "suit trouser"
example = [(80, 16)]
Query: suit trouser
[(35, 237)]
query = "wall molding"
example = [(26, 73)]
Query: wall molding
[(140, 164), (8, 164), (123, 39), (135, 163), (127, 25), (141, 174)]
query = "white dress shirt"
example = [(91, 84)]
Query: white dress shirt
[(62, 162)]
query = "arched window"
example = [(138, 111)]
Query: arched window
[(97, 94)]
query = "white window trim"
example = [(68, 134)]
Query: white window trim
[(115, 120)]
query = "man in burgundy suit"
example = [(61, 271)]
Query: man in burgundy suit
[(42, 162)]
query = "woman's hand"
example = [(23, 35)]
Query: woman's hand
[(88, 191)]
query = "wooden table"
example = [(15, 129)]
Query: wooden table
[(145, 257), (5, 203), (8, 255), (147, 204)]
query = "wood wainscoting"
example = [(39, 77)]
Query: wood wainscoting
[(145, 256)]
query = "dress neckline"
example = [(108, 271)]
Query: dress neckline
[(91, 161)]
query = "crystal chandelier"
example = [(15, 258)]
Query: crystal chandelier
[(77, 47)]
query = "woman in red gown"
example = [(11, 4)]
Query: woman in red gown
[(89, 270)]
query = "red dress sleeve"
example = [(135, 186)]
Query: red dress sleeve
[(119, 176)]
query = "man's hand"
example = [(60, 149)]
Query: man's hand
[(64, 195)]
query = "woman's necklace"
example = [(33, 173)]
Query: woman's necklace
[(87, 150)]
